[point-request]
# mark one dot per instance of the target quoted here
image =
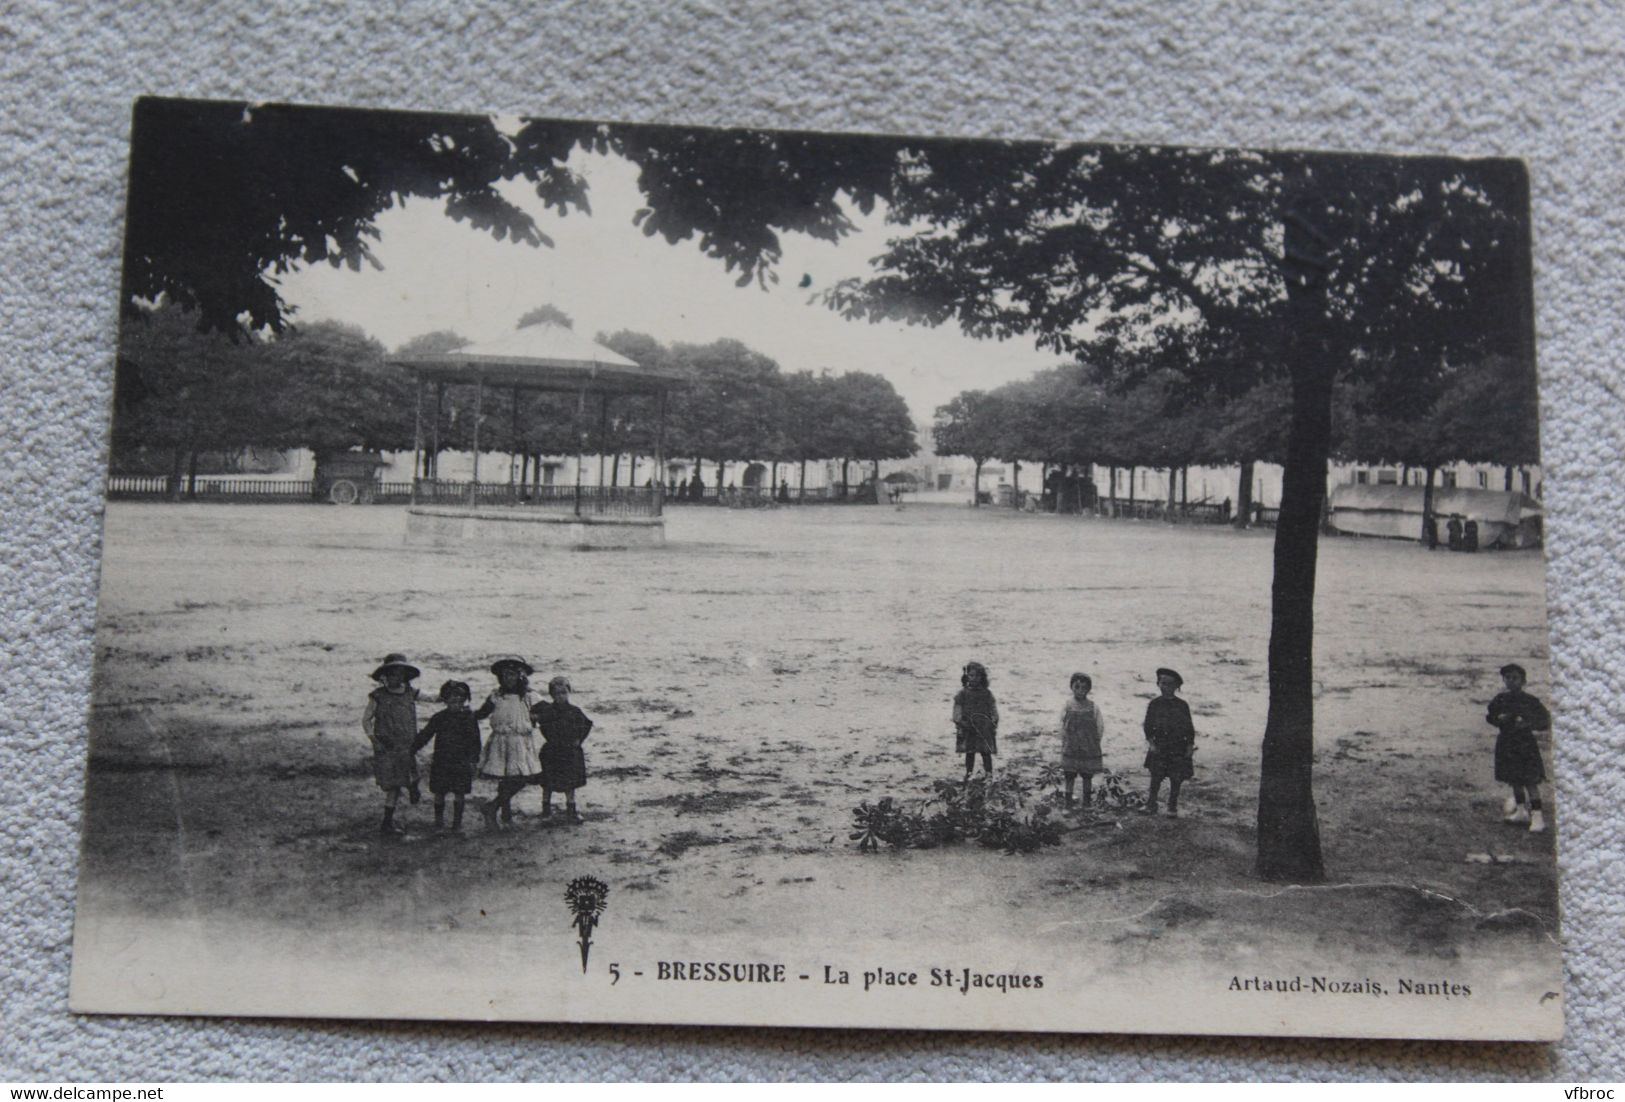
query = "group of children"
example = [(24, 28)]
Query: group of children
[(1170, 739), (1170, 736), (510, 756)]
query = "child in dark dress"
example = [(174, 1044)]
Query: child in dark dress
[(456, 737), (976, 720), (564, 766), (1517, 716), (1170, 738)]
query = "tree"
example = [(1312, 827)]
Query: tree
[(180, 391), (635, 419), (810, 431), (330, 390), (224, 196), (1246, 430), (546, 314), (972, 424), (1488, 411), (869, 421), (731, 408)]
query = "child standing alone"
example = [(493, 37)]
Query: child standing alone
[(976, 720), (510, 753), (456, 737), (1081, 730), (564, 766), (1517, 716), (391, 725), (1170, 738)]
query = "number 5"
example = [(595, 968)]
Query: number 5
[(615, 971)]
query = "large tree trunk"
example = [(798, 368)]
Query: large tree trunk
[(976, 484), (191, 475), (844, 462), (1508, 486), (801, 491), (1111, 480), (1244, 497), (1288, 826), (1131, 491), (1427, 510), (1015, 483), (874, 480), (1173, 491)]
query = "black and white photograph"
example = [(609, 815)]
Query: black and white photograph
[(570, 570)]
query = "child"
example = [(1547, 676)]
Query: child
[(510, 753), (1081, 731), (976, 720), (456, 736), (1170, 737), (391, 724), (564, 728), (1517, 716)]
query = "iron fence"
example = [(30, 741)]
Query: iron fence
[(207, 488)]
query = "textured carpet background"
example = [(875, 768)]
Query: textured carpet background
[(1541, 80)]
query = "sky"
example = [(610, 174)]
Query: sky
[(604, 273)]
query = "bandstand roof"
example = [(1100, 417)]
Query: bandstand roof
[(544, 356)]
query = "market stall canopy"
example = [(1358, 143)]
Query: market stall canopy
[(1492, 506), (1506, 518), (544, 356)]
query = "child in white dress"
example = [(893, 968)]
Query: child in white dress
[(510, 756)]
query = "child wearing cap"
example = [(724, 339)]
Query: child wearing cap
[(564, 766), (456, 737), (390, 721), (1517, 716), (1170, 738), (976, 719), (510, 753), (1081, 729)]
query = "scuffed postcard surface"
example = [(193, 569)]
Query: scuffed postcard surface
[(593, 572)]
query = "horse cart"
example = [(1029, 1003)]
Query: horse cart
[(348, 478)]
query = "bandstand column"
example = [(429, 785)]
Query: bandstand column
[(479, 402), (660, 457), (514, 473), (417, 437), (575, 434), (603, 442), (434, 430)]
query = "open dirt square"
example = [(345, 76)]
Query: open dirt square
[(752, 683)]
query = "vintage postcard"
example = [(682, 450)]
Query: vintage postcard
[(616, 573)]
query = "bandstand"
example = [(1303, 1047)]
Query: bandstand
[(542, 357)]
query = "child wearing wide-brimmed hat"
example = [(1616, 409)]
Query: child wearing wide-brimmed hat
[(391, 724), (564, 765), (1517, 715), (456, 737), (1170, 739), (510, 756)]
